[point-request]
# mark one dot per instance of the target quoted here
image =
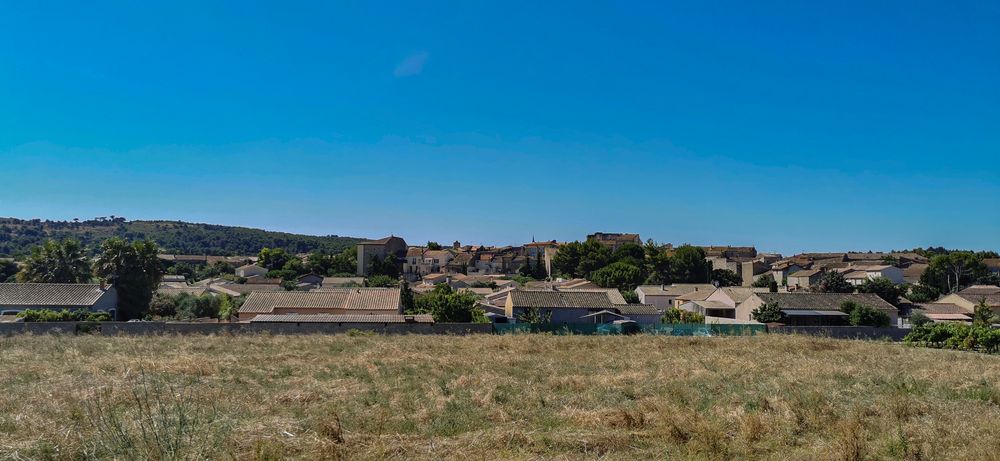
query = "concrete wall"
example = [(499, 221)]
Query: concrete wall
[(894, 334), (159, 328)]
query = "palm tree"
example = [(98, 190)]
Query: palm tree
[(56, 262)]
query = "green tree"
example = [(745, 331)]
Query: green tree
[(951, 272), (56, 262), (534, 315), (919, 319), (630, 252), (567, 259), (689, 265), (864, 315), (622, 275), (726, 278), (273, 258), (678, 316), (630, 297), (382, 281), (447, 305), (538, 272), (982, 315), (922, 294), (834, 282), (344, 263), (8, 271), (135, 271), (385, 267), (406, 296), (764, 281), (594, 256), (884, 288), (433, 246), (768, 313)]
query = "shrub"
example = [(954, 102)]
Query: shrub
[(79, 315), (382, 281), (956, 336), (676, 315), (863, 315), (919, 319), (768, 313)]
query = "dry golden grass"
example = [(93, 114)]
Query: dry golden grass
[(493, 397)]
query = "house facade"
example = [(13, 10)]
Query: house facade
[(392, 248)]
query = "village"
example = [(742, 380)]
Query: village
[(609, 282)]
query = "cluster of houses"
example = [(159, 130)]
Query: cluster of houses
[(485, 270)]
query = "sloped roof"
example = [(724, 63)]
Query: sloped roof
[(638, 309), (697, 295), (386, 299), (50, 294), (244, 288), (823, 301), (980, 290), (676, 289), (341, 318), (560, 299), (614, 295), (174, 291), (738, 294), (940, 308), (805, 273)]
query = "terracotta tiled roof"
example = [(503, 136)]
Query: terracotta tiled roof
[(824, 301), (638, 309), (342, 318), (50, 294), (383, 299), (556, 299), (676, 289), (980, 290)]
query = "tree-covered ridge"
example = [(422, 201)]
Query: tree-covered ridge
[(17, 236)]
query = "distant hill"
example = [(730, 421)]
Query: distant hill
[(17, 236)]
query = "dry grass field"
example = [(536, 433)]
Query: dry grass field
[(493, 397)]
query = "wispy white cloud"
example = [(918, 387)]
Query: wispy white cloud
[(412, 65)]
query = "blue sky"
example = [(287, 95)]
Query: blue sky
[(789, 125)]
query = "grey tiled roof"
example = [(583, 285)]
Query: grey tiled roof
[(50, 294), (823, 301), (341, 318), (638, 309), (555, 299), (383, 299)]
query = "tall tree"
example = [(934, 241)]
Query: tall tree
[(8, 271), (448, 305), (834, 282), (273, 258), (566, 259), (134, 270), (689, 265), (593, 256), (884, 288), (953, 271), (56, 262), (726, 278), (622, 275)]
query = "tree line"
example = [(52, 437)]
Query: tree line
[(17, 236)]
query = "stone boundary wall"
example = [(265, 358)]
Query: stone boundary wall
[(163, 328)]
